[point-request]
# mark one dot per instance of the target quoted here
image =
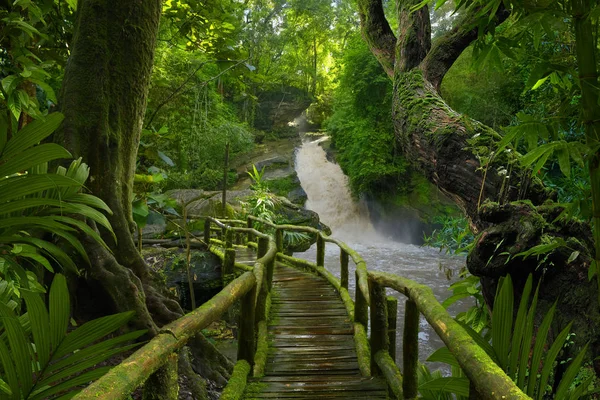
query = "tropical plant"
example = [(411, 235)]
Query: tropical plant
[(454, 235), (526, 358), (40, 359), (477, 317), (38, 205)]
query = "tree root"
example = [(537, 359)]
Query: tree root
[(154, 308)]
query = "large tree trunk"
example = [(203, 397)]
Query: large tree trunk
[(510, 209), (104, 99)]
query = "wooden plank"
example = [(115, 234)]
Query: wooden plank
[(311, 353)]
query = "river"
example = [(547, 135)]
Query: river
[(328, 194)]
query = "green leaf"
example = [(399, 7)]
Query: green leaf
[(502, 320), (92, 331), (101, 347), (564, 160), (526, 342), (33, 156), (60, 308), (573, 257), (458, 386), (5, 388), (535, 154), (519, 329), (19, 346), (39, 318), (539, 83), (47, 89), (91, 201), (14, 105), (443, 355), (10, 372), (140, 213), (32, 134), (551, 358), (79, 380), (538, 350), (166, 159), (9, 83), (570, 375), (30, 184)]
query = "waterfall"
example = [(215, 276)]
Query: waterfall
[(329, 195)]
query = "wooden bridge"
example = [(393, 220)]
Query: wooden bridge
[(301, 335)]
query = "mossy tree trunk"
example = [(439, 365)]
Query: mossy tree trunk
[(103, 99), (455, 153)]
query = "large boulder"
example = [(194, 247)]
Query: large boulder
[(171, 264), (277, 108)]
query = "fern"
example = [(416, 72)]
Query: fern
[(40, 359)]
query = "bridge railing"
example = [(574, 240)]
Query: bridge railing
[(155, 364), (376, 354)]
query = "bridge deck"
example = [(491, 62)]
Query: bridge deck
[(311, 344)]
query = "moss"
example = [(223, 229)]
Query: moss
[(262, 349), (282, 186), (363, 350), (237, 383)]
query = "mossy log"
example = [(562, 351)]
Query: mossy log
[(163, 384), (363, 350), (237, 383), (123, 379), (489, 379), (379, 329), (262, 348), (390, 371)]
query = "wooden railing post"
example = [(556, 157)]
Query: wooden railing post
[(320, 250), (163, 384), (228, 238), (343, 268), (361, 308), (263, 246), (392, 317), (207, 231), (228, 265), (247, 336), (379, 323), (250, 224), (279, 240), (410, 349)]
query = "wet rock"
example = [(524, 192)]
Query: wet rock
[(205, 271)]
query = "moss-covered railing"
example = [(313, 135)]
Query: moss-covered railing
[(376, 354), (155, 363)]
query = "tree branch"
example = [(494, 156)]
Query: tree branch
[(179, 89), (446, 49), (377, 32), (414, 41)]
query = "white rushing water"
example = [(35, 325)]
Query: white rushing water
[(327, 189)]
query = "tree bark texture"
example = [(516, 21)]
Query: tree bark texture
[(509, 209), (103, 99)]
